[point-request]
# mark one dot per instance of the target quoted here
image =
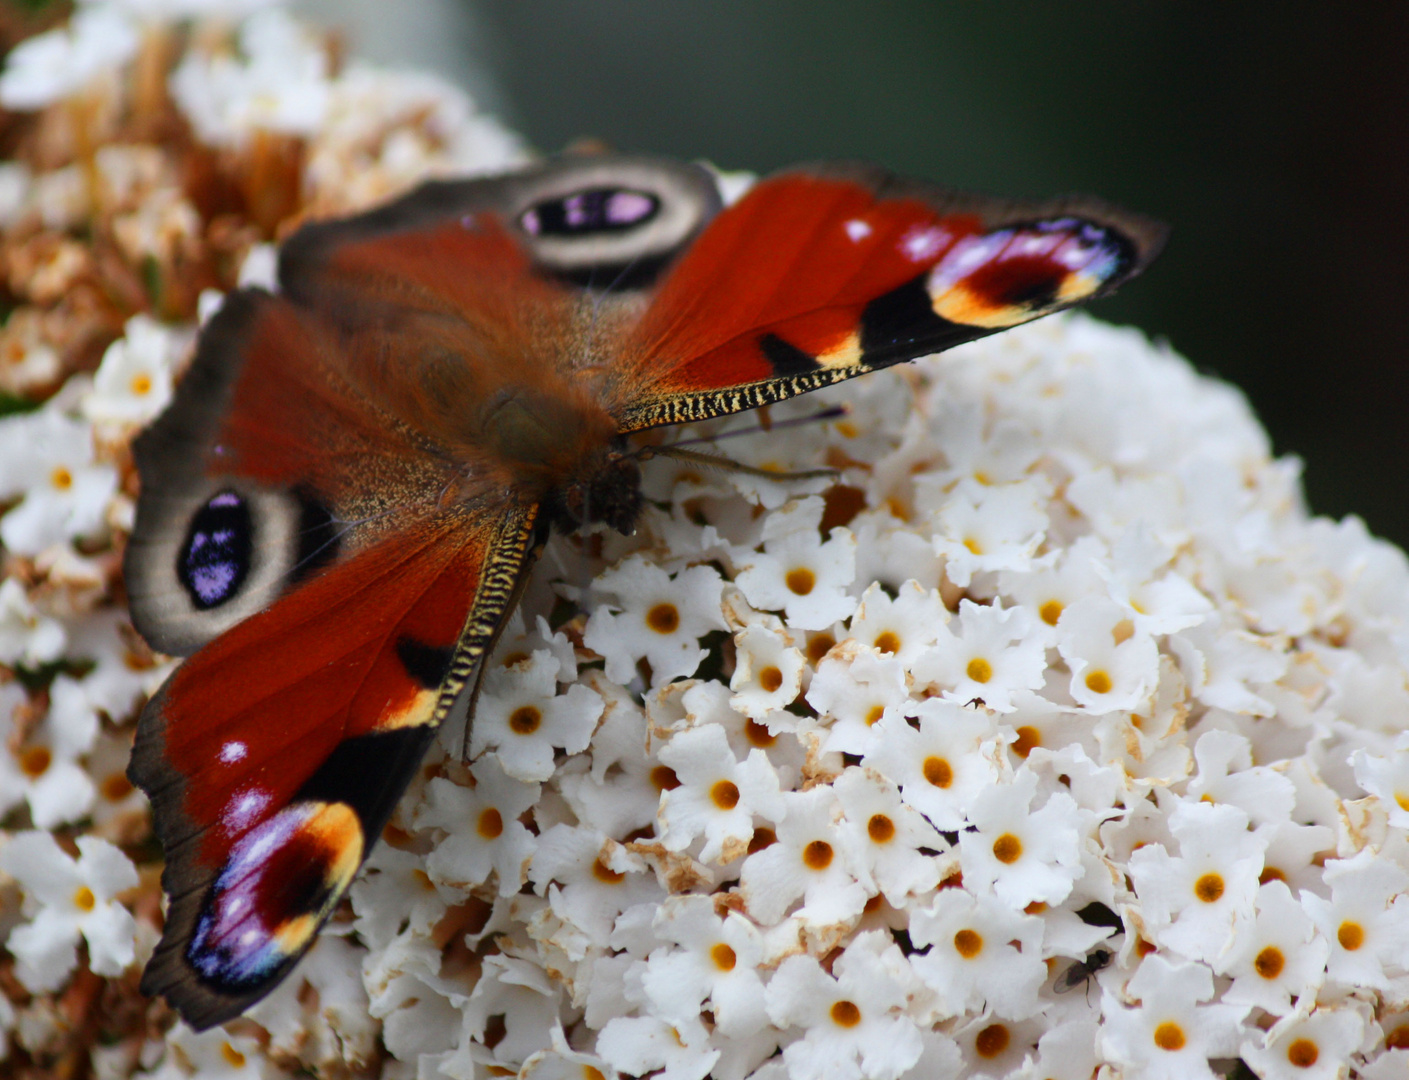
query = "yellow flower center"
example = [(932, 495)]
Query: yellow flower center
[(663, 618), (938, 772), (880, 829), (1269, 962), (992, 1041), (800, 581), (491, 823), (724, 795), (1170, 1036), (1209, 888), (1303, 1053), (1007, 849), (1098, 682), (845, 1014), (968, 943), (817, 855), (723, 957)]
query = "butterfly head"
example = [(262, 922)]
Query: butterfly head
[(610, 492)]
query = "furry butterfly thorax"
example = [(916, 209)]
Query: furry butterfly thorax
[(342, 503)]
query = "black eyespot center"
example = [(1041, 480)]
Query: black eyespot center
[(215, 559), (590, 211)]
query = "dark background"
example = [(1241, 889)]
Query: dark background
[(1271, 137)]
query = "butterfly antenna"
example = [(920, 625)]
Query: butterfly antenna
[(724, 464), (796, 421)]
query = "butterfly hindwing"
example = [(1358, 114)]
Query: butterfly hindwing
[(275, 754)]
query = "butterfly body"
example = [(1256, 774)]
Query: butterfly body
[(341, 505)]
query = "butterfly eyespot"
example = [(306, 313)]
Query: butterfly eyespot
[(590, 211), (215, 559)]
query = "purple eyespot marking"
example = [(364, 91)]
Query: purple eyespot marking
[(629, 207), (592, 210), (215, 559), (291, 865)]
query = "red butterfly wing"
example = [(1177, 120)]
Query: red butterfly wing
[(296, 536), (821, 274), (274, 755)]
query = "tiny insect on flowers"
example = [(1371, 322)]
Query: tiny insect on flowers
[(341, 506)]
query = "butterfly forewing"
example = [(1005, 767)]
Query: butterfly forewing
[(826, 272)]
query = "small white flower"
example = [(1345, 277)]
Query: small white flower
[(279, 84), (1200, 902), (28, 638), (617, 783), (889, 835), (44, 770), (1227, 775), (481, 828), (1282, 957), (67, 898), (215, 1054), (718, 796), (1159, 603), (522, 994), (1387, 778), (48, 459), (1225, 665), (768, 675), (1113, 666), (134, 381), (1170, 1034), (797, 573), (645, 1045), (982, 954), (28, 361), (657, 618), (856, 690), (522, 717), (942, 767), (1366, 920), (589, 878), (718, 960), (853, 1021), (1022, 855), (812, 858), (1313, 1046), (393, 896), (1057, 581), (994, 654), (902, 627), (982, 529), (61, 62)]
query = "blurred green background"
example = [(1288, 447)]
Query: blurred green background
[(1272, 137)]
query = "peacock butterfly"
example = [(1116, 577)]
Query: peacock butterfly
[(342, 503)]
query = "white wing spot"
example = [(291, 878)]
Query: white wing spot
[(232, 752), (921, 244), (857, 229)]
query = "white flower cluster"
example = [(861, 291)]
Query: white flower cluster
[(1052, 735)]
